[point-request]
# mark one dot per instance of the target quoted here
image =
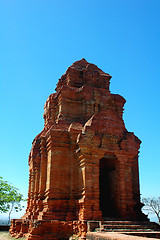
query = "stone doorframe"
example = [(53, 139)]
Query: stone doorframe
[(89, 166)]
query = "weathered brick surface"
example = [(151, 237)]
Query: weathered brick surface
[(84, 164)]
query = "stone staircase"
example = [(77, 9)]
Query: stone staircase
[(138, 228)]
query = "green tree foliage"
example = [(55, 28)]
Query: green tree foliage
[(10, 198), (152, 205)]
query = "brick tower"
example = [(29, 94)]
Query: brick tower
[(84, 164)]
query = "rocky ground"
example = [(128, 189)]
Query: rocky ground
[(4, 235)]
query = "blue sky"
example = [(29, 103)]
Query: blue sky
[(39, 40)]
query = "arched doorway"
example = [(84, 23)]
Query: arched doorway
[(108, 187)]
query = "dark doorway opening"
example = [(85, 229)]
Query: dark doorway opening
[(108, 187)]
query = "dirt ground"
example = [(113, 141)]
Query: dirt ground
[(4, 235)]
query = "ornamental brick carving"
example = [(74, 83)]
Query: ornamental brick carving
[(84, 164)]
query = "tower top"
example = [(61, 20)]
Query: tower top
[(84, 73)]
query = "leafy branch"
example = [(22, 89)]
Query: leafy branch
[(10, 198)]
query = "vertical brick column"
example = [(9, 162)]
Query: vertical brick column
[(96, 156), (90, 174), (37, 177), (97, 214), (136, 190), (49, 177), (135, 178), (131, 201), (122, 194), (88, 203), (43, 174), (32, 186), (47, 185), (36, 186)]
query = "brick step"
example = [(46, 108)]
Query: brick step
[(124, 230), (125, 222), (125, 226), (135, 226)]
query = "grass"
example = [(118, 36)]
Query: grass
[(5, 235)]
